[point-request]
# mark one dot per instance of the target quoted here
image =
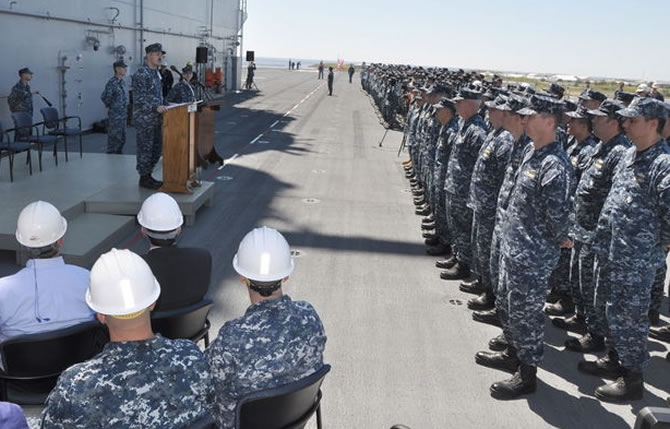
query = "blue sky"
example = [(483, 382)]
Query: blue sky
[(584, 38)]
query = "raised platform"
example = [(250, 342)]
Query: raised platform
[(98, 195)]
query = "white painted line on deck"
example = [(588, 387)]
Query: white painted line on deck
[(256, 139), (274, 123), (228, 161)]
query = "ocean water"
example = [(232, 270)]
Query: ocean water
[(282, 63)]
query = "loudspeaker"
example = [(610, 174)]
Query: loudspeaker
[(201, 54), (250, 55)]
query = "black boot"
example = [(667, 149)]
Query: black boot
[(628, 387), (446, 263), (423, 210), (563, 306), (485, 301), (575, 323), (428, 226), (428, 219), (488, 316), (474, 287), (505, 360), (661, 334), (523, 381), (149, 182), (498, 343), (605, 367), (457, 272), (587, 343)]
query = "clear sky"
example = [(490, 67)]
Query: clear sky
[(577, 37)]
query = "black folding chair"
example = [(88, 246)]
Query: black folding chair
[(27, 132), (188, 322), (33, 362), (55, 126), (285, 407), (10, 148)]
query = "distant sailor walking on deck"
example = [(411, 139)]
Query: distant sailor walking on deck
[(148, 106), (351, 72), (331, 78), (116, 101)]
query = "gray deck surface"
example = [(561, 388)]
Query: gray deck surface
[(400, 340)]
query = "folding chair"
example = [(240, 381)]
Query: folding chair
[(33, 362), (11, 148), (188, 322), (52, 126), (285, 407), (23, 132)]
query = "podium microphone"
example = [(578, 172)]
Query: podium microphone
[(45, 99)]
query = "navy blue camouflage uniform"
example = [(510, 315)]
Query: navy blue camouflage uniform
[(445, 142), (154, 383), (516, 156), (632, 231), (115, 99), (277, 341), (462, 160), (564, 278), (487, 178), (20, 99), (592, 189), (534, 226), (147, 96), (181, 93)]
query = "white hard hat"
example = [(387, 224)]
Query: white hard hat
[(263, 255), (40, 224), (160, 212), (121, 284)]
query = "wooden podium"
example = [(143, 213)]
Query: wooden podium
[(204, 133), (179, 148)]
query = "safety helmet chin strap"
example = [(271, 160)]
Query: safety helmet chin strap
[(264, 290)]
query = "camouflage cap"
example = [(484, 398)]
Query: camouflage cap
[(626, 97), (468, 94), (580, 113), (515, 103), (440, 88), (570, 104), (556, 90), (155, 47), (608, 108), (542, 104), (120, 63), (496, 103), (592, 94), (649, 108), (187, 69), (25, 70), (445, 102)]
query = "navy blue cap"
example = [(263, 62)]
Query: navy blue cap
[(592, 94), (542, 104), (580, 113), (468, 94), (496, 103), (515, 103), (120, 63), (155, 47), (608, 108), (25, 70), (648, 107)]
